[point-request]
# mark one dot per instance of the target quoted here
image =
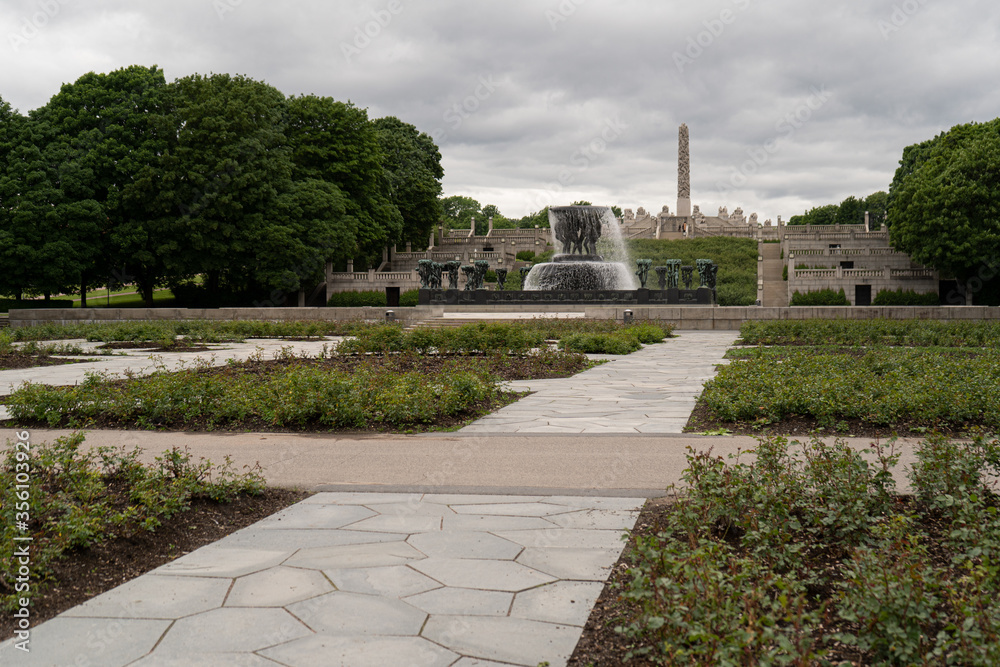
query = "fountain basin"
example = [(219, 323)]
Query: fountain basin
[(576, 275)]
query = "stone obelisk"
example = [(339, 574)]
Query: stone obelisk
[(683, 173)]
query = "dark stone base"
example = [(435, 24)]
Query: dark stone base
[(671, 297)]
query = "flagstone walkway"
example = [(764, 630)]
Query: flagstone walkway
[(650, 391)]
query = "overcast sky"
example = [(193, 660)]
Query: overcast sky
[(790, 103)]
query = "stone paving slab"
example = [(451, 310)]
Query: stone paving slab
[(515, 590), (144, 362), (650, 391)]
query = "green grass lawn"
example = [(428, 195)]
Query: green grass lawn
[(736, 258), (161, 298)]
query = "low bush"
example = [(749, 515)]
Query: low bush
[(211, 331), (477, 338), (903, 297), (409, 298), (612, 343), (371, 298), (525, 255), (374, 298), (806, 555), (898, 387), (296, 396), (823, 297), (954, 333), (80, 498)]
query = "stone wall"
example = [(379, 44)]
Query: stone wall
[(683, 317)]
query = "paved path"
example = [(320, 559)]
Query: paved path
[(650, 391), (146, 361), (361, 579), (425, 578)]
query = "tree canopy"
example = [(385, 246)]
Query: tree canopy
[(123, 177), (851, 211), (944, 203)]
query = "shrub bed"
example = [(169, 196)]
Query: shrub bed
[(372, 298), (81, 498), (823, 297), (616, 343), (294, 396), (504, 337), (904, 387), (903, 297), (808, 556), (955, 333), (209, 331)]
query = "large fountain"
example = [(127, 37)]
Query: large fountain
[(593, 267), (593, 255)]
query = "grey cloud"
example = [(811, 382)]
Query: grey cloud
[(567, 67)]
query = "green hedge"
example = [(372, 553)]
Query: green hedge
[(298, 396), (619, 343), (7, 305), (902, 297), (525, 255), (911, 333), (823, 297), (481, 337), (372, 298), (884, 386)]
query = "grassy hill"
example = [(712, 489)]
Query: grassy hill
[(737, 259)]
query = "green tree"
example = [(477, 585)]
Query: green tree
[(307, 227), (458, 211), (204, 206), (12, 270), (532, 220), (335, 142), (107, 129), (944, 208), (412, 164), (850, 212), (876, 204), (820, 215), (72, 157)]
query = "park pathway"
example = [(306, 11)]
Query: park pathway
[(651, 391)]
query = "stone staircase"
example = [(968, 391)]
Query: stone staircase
[(452, 323), (775, 288)]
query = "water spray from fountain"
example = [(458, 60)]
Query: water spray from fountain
[(593, 257)]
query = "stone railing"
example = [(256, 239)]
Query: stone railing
[(918, 274), (831, 252), (862, 273), (883, 273), (375, 277), (806, 274), (823, 229)]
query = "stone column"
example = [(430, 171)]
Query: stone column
[(683, 173)]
